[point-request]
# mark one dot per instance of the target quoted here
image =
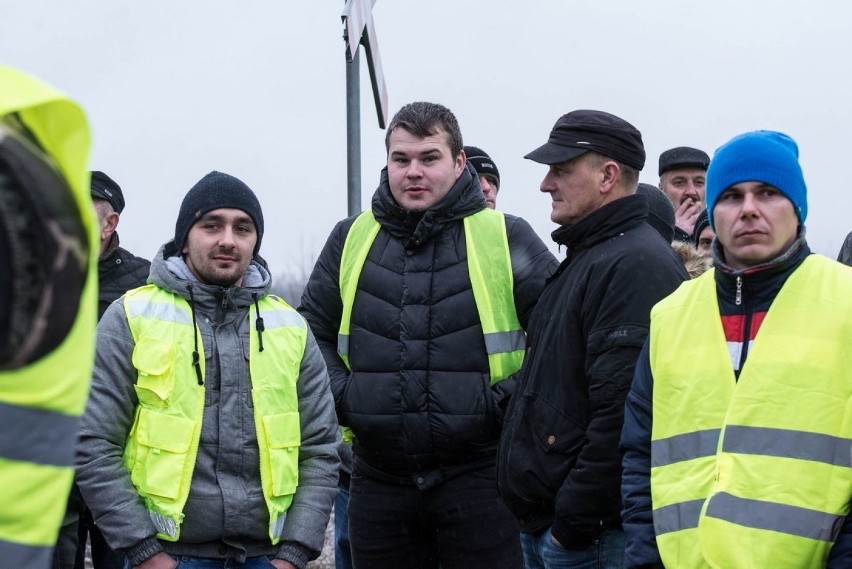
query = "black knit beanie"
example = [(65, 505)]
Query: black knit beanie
[(701, 222), (661, 214), (213, 191), (482, 162)]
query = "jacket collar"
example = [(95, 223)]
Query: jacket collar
[(464, 198), (603, 223)]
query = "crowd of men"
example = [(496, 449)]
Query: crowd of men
[(462, 397)]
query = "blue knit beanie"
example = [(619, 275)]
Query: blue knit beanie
[(213, 191), (760, 156)]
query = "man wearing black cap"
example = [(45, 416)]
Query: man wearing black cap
[(683, 172), (489, 175), (209, 438), (118, 271), (559, 467)]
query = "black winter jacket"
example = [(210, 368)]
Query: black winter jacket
[(559, 463), (419, 399), (119, 270)]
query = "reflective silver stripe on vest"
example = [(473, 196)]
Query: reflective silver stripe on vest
[(789, 444), (280, 318), (30, 443), (676, 517), (22, 555), (684, 447), (504, 342), (793, 520), (163, 524), (159, 311), (277, 526), (343, 344)]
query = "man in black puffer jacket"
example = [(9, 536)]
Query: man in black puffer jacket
[(559, 465), (430, 276)]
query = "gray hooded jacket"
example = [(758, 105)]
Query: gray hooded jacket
[(225, 515)]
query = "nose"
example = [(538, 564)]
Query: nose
[(227, 238), (547, 184), (414, 169), (749, 205)]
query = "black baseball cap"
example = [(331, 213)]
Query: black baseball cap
[(683, 157), (583, 131), (105, 188)]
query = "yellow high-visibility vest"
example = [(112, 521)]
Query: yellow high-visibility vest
[(41, 401), (755, 472), (163, 442), (490, 268)]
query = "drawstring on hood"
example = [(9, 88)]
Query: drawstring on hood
[(258, 323), (196, 358)]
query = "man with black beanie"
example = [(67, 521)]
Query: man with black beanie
[(487, 172), (210, 434), (559, 468)]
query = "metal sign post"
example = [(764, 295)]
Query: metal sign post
[(359, 30)]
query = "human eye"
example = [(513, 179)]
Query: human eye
[(700, 182)]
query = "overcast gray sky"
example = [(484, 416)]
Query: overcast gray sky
[(174, 89)]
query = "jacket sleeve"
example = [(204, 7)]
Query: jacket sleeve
[(845, 255), (103, 479), (614, 318), (322, 307), (532, 263), (637, 520), (841, 552), (304, 528)]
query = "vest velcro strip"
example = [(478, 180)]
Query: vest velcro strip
[(676, 517), (501, 342), (167, 312), (30, 444), (792, 520), (786, 443), (22, 555), (343, 344), (686, 446)]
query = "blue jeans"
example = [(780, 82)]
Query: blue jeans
[(190, 562), (342, 551), (606, 552)]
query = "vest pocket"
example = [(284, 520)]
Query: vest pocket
[(155, 378), (283, 435), (163, 443)]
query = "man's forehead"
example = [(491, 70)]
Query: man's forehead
[(401, 140), (686, 173), (225, 213)]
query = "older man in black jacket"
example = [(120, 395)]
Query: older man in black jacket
[(403, 301), (559, 466)]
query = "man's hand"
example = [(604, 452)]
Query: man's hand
[(282, 564), (162, 560), (687, 213)]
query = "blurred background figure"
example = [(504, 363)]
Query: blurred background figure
[(48, 253)]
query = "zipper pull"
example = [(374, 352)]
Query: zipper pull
[(739, 291)]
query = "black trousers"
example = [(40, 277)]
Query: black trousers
[(459, 524)]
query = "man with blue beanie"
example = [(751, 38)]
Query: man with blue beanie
[(741, 464)]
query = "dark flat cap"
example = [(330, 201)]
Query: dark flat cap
[(582, 131), (683, 157), (105, 188)]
